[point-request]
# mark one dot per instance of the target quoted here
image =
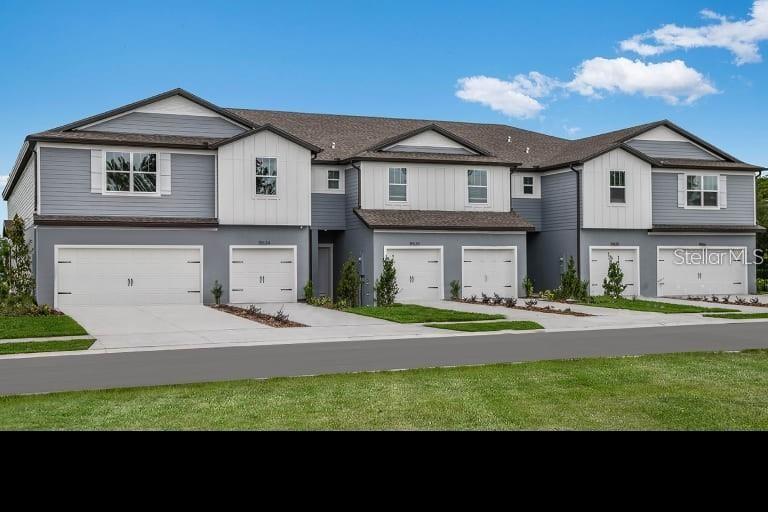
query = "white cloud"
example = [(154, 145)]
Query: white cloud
[(3, 181), (514, 99), (571, 130), (672, 81), (740, 37)]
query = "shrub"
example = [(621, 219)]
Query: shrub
[(455, 290), (762, 285), (571, 288), (17, 285), (386, 284), (510, 303), (281, 316), (613, 284), (528, 283), (321, 302), (216, 291), (309, 291), (531, 303), (348, 289)]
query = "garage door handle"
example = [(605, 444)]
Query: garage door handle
[(65, 293), (65, 262), (193, 291), (467, 261), (237, 262), (286, 262), (435, 261), (507, 261), (193, 262), (286, 289), (434, 287), (508, 286)]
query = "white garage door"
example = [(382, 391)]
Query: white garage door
[(701, 271), (262, 274), (419, 272), (489, 270), (629, 261), (122, 275)]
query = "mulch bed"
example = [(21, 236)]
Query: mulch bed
[(262, 318), (707, 300), (537, 309)]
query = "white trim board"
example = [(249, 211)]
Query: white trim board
[(57, 247), (135, 149)]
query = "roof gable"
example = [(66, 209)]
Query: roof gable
[(431, 138)]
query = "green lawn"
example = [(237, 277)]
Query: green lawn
[(12, 327), (32, 347), (412, 314), (740, 316), (489, 326), (677, 391), (651, 306)]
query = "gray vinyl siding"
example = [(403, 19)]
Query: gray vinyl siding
[(357, 240), (529, 209), (328, 211), (21, 202), (65, 184), (649, 243), (215, 244), (740, 210), (169, 124), (452, 244), (548, 253), (558, 201), (670, 149)]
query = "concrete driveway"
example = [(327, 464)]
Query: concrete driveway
[(163, 327)]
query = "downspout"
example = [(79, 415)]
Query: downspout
[(511, 172), (359, 258), (578, 220)]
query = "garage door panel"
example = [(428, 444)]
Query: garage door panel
[(419, 273), (491, 271), (263, 274), (629, 263), (705, 271), (128, 275)]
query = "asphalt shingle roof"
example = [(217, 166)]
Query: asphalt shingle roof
[(444, 220)]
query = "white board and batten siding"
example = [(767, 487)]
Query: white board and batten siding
[(320, 179), (238, 202), (598, 211), (433, 187), (430, 139), (22, 201)]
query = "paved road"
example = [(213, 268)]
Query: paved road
[(45, 374)]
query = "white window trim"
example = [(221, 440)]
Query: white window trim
[(328, 180), (407, 187), (131, 193), (532, 185), (487, 188), (267, 197), (702, 207), (626, 197)]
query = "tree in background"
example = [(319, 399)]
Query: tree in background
[(17, 285), (386, 284)]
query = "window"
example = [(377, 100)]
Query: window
[(618, 187), (266, 176), (528, 185), (398, 184), (702, 191), (333, 180), (477, 186), (131, 172)]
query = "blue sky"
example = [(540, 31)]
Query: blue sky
[(597, 65)]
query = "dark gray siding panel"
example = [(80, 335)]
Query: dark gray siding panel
[(65, 185), (740, 210), (670, 149), (215, 244), (452, 243), (357, 241), (558, 201), (548, 253), (328, 211), (529, 209), (169, 124), (649, 243)]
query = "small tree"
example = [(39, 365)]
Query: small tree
[(528, 283), (309, 291), (571, 287), (386, 284), (16, 280), (216, 291), (613, 284), (455, 290), (348, 289)]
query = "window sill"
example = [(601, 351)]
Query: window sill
[(617, 205), (477, 205), (132, 194), (702, 207), (263, 197)]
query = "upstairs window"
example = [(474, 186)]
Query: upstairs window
[(477, 186), (266, 176), (131, 172), (618, 186), (702, 191), (398, 184), (333, 180), (528, 185)]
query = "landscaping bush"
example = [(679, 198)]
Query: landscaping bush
[(309, 291), (528, 283), (386, 284), (348, 289), (571, 288), (17, 285), (762, 285), (455, 287), (216, 291), (613, 284)]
